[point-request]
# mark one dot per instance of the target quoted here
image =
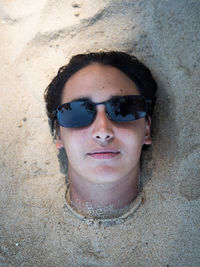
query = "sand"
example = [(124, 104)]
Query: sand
[(37, 229)]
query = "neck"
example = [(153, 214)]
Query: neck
[(87, 196)]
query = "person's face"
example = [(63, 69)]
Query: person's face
[(105, 151)]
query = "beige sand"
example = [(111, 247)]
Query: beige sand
[(37, 37)]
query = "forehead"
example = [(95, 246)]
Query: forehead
[(99, 83)]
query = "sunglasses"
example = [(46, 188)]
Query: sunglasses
[(82, 112)]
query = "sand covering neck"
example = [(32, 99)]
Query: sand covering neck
[(96, 217)]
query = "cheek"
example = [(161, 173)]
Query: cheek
[(132, 138), (73, 139)]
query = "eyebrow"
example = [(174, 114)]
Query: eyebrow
[(81, 99), (89, 98)]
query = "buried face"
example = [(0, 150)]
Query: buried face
[(105, 151)]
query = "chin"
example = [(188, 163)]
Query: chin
[(103, 180), (104, 175)]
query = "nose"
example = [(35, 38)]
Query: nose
[(102, 131)]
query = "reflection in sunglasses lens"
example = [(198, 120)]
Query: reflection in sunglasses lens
[(79, 114), (120, 109), (126, 108)]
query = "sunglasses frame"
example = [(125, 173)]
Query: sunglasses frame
[(58, 109)]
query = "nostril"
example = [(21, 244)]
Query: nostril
[(103, 137)]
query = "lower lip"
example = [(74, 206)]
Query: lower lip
[(104, 155)]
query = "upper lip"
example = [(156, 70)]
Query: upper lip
[(104, 150)]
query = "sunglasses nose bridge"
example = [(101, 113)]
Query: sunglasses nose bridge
[(102, 126), (104, 104)]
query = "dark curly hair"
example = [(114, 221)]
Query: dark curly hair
[(126, 63)]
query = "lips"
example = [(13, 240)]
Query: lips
[(104, 153)]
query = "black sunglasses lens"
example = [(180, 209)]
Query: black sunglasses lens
[(127, 108), (76, 114)]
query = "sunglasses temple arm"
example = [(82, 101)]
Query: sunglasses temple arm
[(148, 102), (54, 112)]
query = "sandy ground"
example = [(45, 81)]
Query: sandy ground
[(37, 37)]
